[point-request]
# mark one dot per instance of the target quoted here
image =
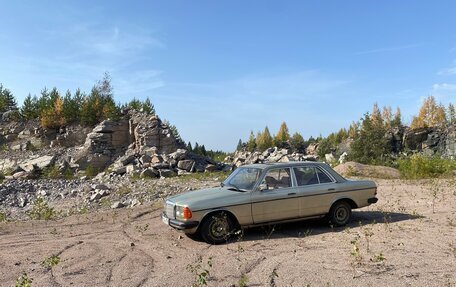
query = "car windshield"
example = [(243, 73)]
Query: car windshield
[(243, 179)]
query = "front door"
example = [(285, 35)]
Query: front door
[(278, 201)]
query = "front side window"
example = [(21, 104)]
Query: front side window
[(277, 178), (243, 178)]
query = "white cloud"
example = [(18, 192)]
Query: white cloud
[(444, 87), (448, 71), (388, 49)]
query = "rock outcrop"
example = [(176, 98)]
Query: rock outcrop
[(270, 155)]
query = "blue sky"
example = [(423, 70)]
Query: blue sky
[(220, 69)]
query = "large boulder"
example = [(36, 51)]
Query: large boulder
[(362, 170), (38, 163)]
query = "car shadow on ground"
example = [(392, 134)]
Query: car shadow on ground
[(306, 228)]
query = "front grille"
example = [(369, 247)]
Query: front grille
[(169, 209)]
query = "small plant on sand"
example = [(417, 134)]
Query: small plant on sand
[(243, 280), (23, 280), (2, 216), (272, 277), (51, 261), (355, 255), (378, 257), (41, 210), (368, 233), (201, 272)]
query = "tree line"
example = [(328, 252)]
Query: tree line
[(55, 110), (367, 137)]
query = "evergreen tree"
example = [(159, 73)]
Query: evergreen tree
[(251, 144), (353, 130), (44, 101), (298, 143), (189, 146), (397, 121), (7, 100), (148, 107), (370, 145), (70, 108), (451, 115), (282, 136), (29, 109), (239, 145), (135, 104)]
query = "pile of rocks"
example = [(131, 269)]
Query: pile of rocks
[(151, 164), (270, 155)]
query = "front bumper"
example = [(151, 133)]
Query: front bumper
[(177, 224)]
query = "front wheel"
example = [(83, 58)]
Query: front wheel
[(340, 214), (216, 228)]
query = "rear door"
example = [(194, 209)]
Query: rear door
[(279, 200), (316, 188)]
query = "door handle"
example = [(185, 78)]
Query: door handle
[(331, 189), (292, 193)]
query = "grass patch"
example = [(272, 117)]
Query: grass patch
[(421, 166), (24, 281), (50, 261)]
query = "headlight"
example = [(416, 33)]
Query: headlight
[(183, 212)]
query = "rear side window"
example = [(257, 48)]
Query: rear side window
[(324, 178), (305, 175)]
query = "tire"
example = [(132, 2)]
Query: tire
[(216, 228), (340, 213)]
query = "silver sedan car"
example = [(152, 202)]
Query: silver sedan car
[(261, 194)]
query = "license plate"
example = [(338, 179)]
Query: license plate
[(165, 220)]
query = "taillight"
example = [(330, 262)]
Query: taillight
[(187, 213)]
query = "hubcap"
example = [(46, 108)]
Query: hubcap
[(341, 214), (219, 227)]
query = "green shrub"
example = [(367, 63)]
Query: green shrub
[(421, 166), (41, 210), (23, 281), (2, 216)]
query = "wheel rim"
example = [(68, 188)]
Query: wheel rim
[(341, 214), (219, 227)]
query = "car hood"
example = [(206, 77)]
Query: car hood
[(210, 197)]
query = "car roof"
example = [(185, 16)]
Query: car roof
[(284, 164)]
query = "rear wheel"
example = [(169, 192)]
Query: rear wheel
[(340, 213), (216, 228)]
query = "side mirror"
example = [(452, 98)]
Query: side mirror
[(263, 186)]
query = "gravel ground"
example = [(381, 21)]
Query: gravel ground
[(407, 239)]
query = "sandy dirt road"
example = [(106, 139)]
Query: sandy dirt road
[(401, 242)]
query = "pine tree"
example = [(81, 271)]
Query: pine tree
[(189, 146), (148, 107), (7, 100), (239, 145), (135, 104), (70, 108), (282, 136), (370, 145), (397, 121), (298, 143), (251, 144), (44, 101), (353, 130), (451, 115), (29, 109)]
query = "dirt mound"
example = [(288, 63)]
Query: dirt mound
[(352, 168)]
